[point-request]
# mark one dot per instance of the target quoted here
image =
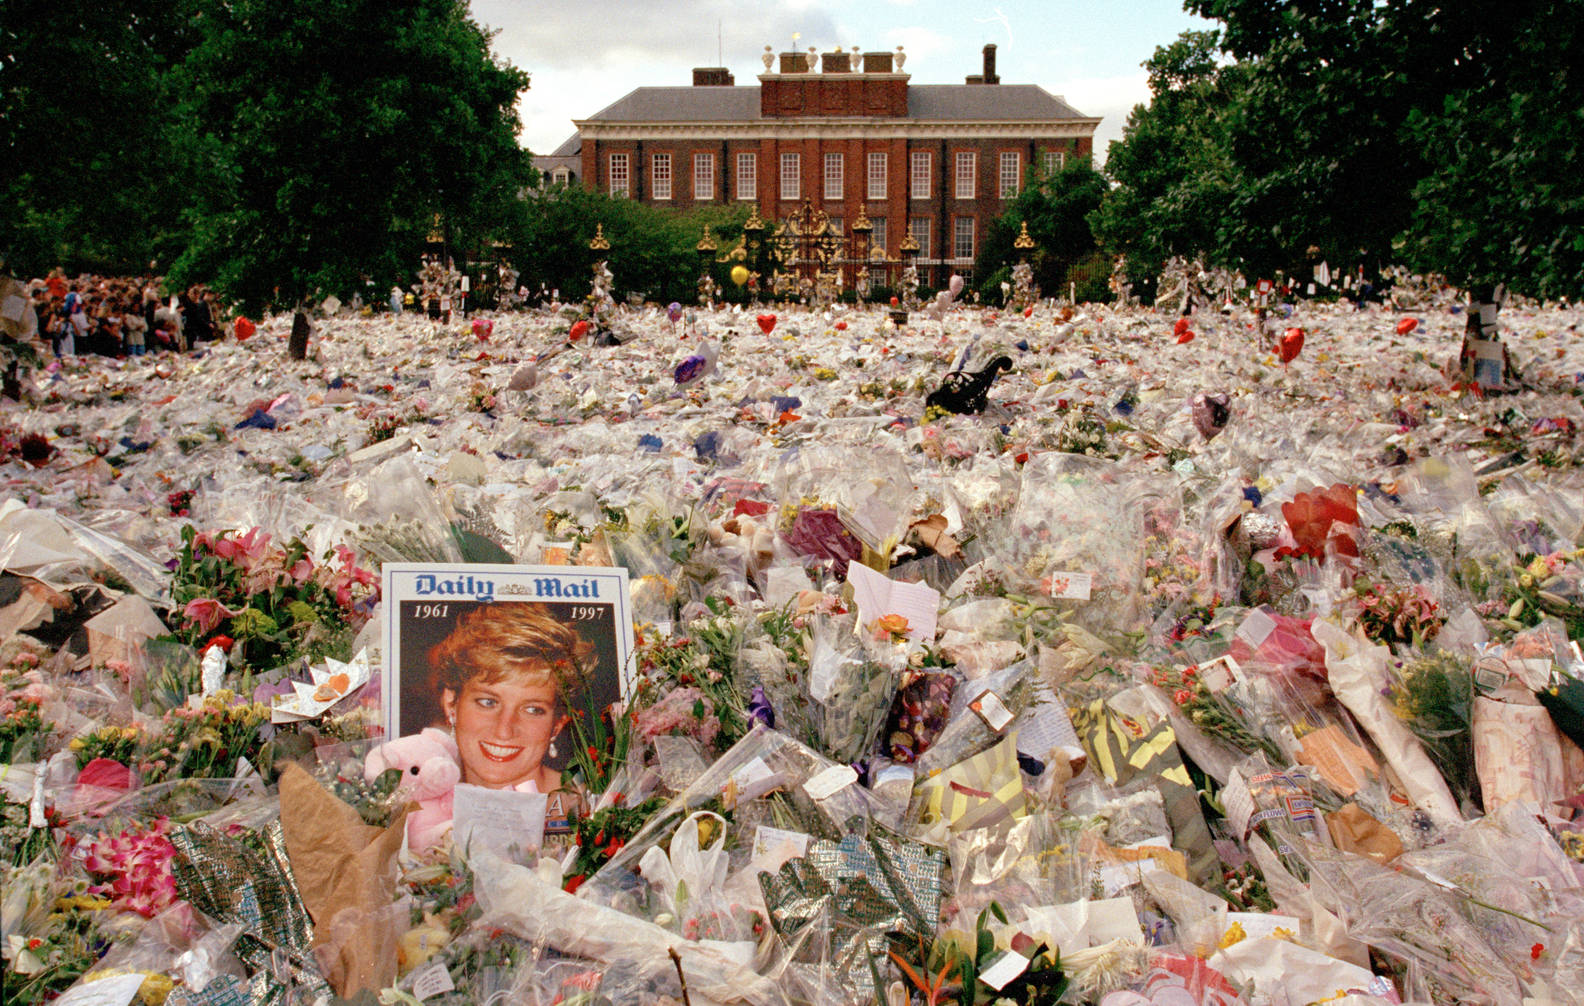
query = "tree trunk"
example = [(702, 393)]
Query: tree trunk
[(1479, 333), (298, 346)]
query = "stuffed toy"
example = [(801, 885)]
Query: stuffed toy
[(430, 771)]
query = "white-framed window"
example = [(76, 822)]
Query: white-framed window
[(1055, 160), (833, 176), (877, 237), (747, 176), (963, 238), (560, 176), (703, 176), (919, 174), (618, 175), (791, 176), (967, 174), (877, 176), (920, 226), (660, 176), (1011, 173)]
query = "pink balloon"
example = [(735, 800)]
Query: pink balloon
[(956, 285)]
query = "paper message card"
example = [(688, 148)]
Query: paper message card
[(878, 595), (497, 819)]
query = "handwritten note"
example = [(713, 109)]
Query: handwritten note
[(497, 819), (879, 595)]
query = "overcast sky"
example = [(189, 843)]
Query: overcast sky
[(585, 54)]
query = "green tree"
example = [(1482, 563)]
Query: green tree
[(330, 133), (652, 250), (1380, 130), (1171, 175), (1056, 208), (89, 175), (1502, 197)]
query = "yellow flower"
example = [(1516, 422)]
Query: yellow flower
[(1233, 935)]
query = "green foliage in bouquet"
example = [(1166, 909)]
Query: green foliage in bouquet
[(1542, 585), (1434, 697), (269, 604), (602, 834), (688, 683)]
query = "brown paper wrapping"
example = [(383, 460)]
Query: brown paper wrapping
[(1353, 830), (1344, 765), (346, 871)]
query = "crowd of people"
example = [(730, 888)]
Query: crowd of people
[(122, 316)]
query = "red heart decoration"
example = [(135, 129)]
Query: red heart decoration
[(579, 330), (841, 326), (1291, 343), (766, 323), (1028, 312), (1180, 327), (1407, 325), (1186, 335)]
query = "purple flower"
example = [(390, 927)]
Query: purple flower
[(759, 708)]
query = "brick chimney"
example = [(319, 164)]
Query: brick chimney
[(989, 75), (835, 62), (712, 76)]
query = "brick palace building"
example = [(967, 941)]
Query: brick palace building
[(937, 160)]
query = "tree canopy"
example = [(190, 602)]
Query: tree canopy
[(372, 117), (270, 147), (87, 175), (1439, 136)]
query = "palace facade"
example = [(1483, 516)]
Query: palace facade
[(845, 131)]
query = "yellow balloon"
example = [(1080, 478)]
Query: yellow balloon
[(739, 274)]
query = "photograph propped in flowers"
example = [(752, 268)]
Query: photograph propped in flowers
[(506, 658)]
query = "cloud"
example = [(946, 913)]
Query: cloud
[(612, 33), (1110, 99)]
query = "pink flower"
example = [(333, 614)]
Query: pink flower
[(301, 570), (137, 867), (206, 613)]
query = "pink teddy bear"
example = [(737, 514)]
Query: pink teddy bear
[(430, 771)]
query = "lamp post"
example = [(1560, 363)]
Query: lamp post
[(1023, 274), (706, 284), (908, 287), (601, 303), (861, 229)]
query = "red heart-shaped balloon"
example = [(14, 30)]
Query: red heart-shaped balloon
[(841, 326), (894, 302), (579, 330), (1407, 325), (1186, 335), (1180, 327), (1291, 343), (766, 323)]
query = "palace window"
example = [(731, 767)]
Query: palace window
[(618, 176), (703, 176)]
